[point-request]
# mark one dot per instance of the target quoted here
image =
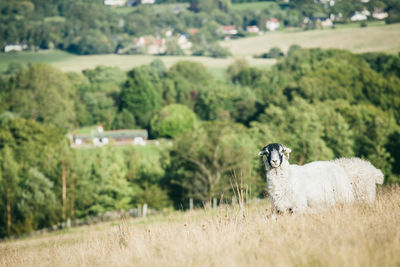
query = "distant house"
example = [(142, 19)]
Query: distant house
[(138, 2), (229, 30), (252, 29), (15, 47), (193, 31), (101, 138), (272, 24), (184, 42), (151, 45), (147, 2), (326, 22), (360, 16), (327, 2), (115, 2), (379, 13), (168, 33)]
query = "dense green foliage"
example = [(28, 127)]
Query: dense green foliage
[(323, 104), (172, 121)]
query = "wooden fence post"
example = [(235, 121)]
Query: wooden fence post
[(191, 204), (144, 210)]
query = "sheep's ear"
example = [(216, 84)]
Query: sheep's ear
[(287, 151), (261, 154)]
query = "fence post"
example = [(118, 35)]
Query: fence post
[(214, 203), (191, 204), (139, 210), (144, 210)]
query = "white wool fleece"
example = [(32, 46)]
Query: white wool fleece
[(364, 177)]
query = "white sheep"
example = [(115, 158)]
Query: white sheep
[(364, 177), (296, 188)]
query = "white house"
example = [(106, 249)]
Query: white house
[(229, 30), (148, 2), (272, 24), (15, 47), (360, 16), (327, 2), (115, 2), (184, 42), (326, 23), (151, 45), (379, 13), (116, 137), (252, 29)]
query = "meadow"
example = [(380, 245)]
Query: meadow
[(352, 235), (374, 38)]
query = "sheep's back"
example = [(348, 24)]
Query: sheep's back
[(322, 182), (363, 175)]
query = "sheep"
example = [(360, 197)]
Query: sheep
[(294, 188), (364, 177)]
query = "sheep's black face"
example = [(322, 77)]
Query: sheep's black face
[(274, 154)]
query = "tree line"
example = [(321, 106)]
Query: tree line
[(323, 104)]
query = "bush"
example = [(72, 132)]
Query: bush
[(211, 50)]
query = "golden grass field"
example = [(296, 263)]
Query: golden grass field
[(353, 235), (374, 38)]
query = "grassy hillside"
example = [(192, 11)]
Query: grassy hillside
[(384, 38), (357, 235)]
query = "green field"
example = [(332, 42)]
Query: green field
[(48, 57)]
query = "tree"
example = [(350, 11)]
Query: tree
[(209, 5), (188, 78), (172, 121), (9, 181), (205, 160), (42, 93), (173, 48), (299, 127), (30, 160), (124, 120), (140, 96)]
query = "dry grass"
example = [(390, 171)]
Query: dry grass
[(385, 38), (357, 235)]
